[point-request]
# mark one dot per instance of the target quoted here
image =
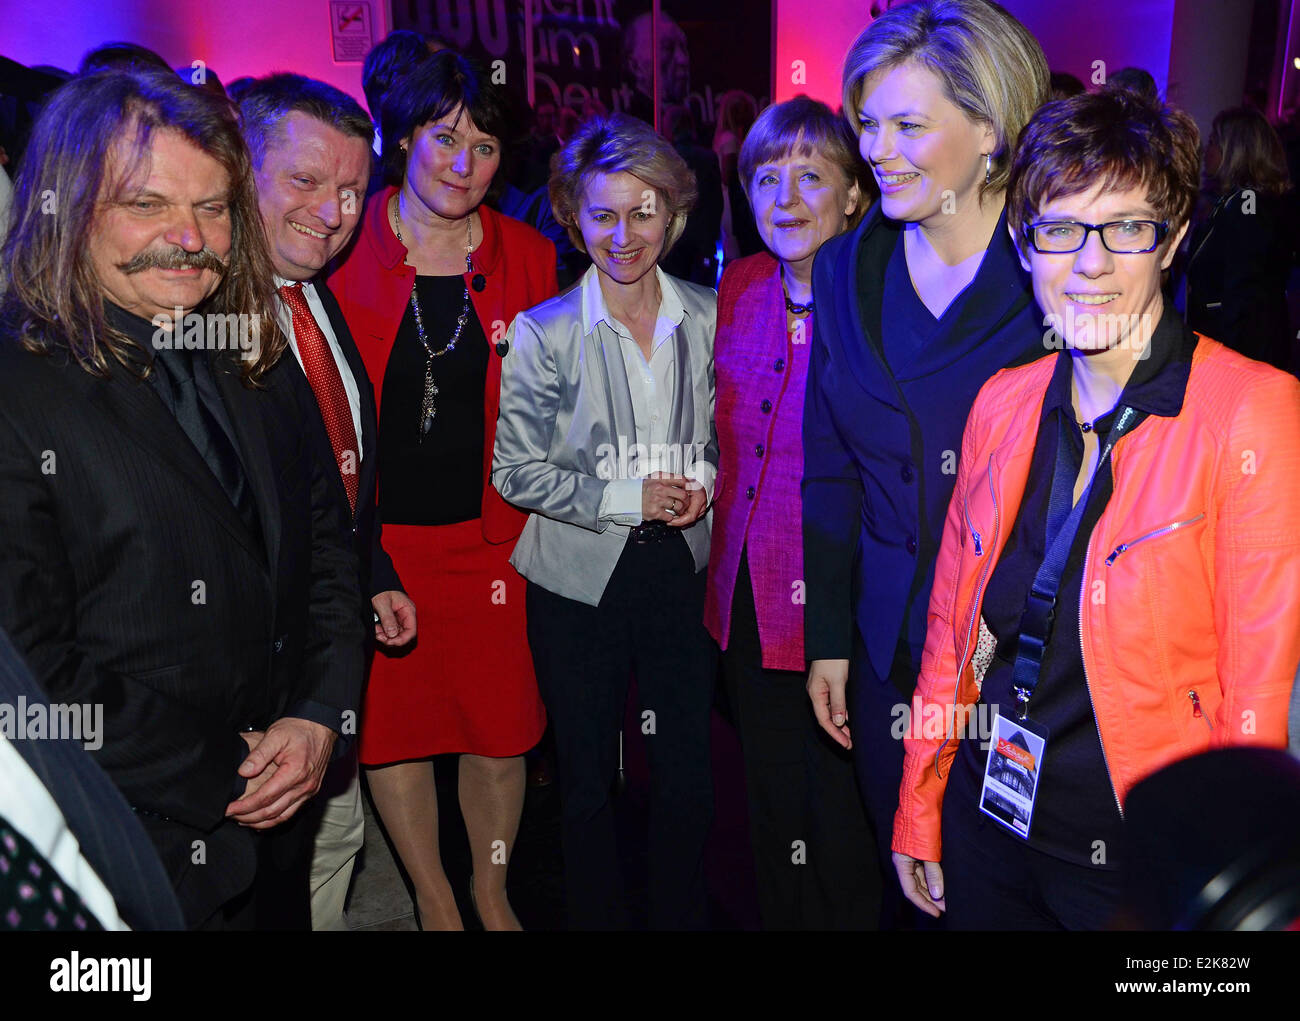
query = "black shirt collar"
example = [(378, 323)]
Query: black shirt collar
[(139, 330), (1158, 382)]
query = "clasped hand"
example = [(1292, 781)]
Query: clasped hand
[(674, 499)]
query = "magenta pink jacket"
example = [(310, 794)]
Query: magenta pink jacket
[(760, 370)]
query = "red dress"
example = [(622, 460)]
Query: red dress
[(467, 685)]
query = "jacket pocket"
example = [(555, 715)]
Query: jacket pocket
[(1168, 529)]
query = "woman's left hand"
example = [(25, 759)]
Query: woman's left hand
[(696, 503), (922, 883)]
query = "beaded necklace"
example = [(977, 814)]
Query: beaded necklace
[(428, 406)]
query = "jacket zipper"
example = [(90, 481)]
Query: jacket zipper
[(975, 608), (1083, 655), (1124, 547), (974, 532), (1197, 711), (1083, 651)]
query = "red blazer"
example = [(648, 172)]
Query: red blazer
[(759, 414), (373, 287)]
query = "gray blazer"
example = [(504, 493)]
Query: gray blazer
[(566, 413)]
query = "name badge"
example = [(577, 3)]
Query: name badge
[(1013, 773)]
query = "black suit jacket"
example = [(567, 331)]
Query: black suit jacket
[(1241, 259), (128, 578), (377, 571)]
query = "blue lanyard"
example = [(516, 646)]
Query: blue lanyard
[(1062, 525)]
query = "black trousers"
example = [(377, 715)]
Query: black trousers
[(873, 704), (994, 880), (649, 623), (813, 853)]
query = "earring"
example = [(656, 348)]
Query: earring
[(988, 167)]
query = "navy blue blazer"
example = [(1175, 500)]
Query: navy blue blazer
[(881, 448)]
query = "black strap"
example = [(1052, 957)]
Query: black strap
[(1063, 522)]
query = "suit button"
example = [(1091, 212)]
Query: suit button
[(779, 365), (278, 645), (907, 472), (749, 493), (758, 450), (767, 407), (911, 544)]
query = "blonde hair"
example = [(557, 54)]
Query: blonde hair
[(613, 144), (990, 66)]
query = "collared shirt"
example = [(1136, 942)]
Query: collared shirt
[(322, 321), (650, 384)]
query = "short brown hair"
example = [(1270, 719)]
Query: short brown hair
[(266, 103), (447, 82), (991, 67), (1114, 137), (613, 144), (803, 126)]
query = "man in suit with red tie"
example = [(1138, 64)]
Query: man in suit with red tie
[(310, 145)]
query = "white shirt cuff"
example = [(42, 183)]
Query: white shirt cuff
[(621, 501)]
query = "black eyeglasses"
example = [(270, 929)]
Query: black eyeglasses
[(1123, 237)]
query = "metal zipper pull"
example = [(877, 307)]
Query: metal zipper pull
[(1196, 709), (974, 533)]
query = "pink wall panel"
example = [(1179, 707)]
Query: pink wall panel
[(1073, 34), (235, 37)]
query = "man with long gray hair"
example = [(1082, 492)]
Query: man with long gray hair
[(171, 546)]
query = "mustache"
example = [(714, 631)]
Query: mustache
[(172, 257)]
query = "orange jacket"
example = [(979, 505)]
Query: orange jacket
[(1190, 606)]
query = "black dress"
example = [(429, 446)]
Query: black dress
[(433, 479)]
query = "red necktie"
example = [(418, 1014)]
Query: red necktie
[(323, 375)]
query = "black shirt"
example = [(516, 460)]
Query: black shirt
[(182, 377), (1076, 805), (437, 480)]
